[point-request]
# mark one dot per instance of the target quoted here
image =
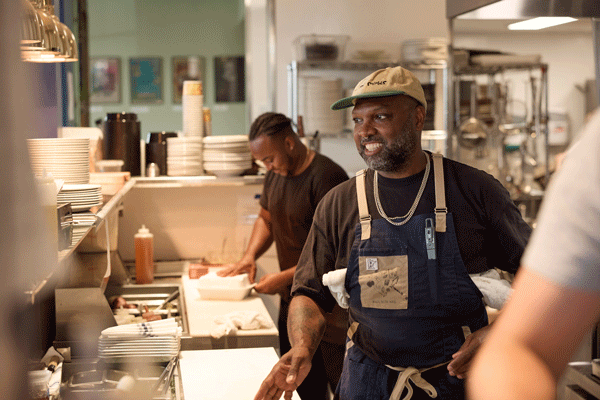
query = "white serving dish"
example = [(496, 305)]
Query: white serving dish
[(214, 287), (224, 293)]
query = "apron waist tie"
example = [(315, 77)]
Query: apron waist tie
[(412, 374)]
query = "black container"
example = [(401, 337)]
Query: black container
[(122, 140), (156, 149)]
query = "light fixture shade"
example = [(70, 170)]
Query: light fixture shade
[(31, 34), (57, 41)]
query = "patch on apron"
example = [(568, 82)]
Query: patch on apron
[(371, 264), (385, 286)]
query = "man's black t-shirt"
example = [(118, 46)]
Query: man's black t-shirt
[(292, 202), (488, 225)]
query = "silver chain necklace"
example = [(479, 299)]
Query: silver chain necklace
[(410, 213)]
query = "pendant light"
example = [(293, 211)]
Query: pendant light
[(57, 40)]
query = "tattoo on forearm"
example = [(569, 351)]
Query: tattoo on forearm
[(305, 324)]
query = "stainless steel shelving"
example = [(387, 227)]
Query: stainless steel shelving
[(295, 68)]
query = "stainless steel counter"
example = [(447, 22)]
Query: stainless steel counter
[(580, 383)]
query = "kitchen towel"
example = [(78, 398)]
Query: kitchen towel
[(229, 324), (495, 290), (335, 281)]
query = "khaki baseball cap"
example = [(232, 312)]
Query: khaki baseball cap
[(390, 81)]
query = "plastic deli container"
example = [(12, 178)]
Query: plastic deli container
[(321, 47), (214, 287)]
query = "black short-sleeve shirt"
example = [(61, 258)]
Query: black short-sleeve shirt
[(489, 227)]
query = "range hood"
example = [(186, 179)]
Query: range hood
[(521, 9), (525, 9)]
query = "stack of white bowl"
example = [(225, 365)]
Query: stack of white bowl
[(66, 159), (184, 156), (316, 96), (227, 155)]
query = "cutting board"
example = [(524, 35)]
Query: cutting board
[(201, 314), (227, 374)]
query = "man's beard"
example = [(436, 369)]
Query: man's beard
[(394, 156)]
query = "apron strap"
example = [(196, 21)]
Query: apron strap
[(440, 193), (412, 374), (363, 208)]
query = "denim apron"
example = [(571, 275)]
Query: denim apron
[(411, 304)]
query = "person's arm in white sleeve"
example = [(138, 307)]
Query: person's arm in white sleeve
[(533, 340)]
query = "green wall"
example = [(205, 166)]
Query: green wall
[(159, 28)]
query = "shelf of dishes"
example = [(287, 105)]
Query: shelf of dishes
[(84, 226), (94, 223)]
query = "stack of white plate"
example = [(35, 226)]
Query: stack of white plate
[(184, 156), (316, 96), (66, 159), (155, 341), (82, 197), (81, 223), (227, 155)]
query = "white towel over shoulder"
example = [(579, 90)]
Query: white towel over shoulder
[(495, 290), (335, 280)]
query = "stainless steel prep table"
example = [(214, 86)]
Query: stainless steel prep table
[(201, 314)]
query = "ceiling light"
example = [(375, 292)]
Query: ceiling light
[(539, 23)]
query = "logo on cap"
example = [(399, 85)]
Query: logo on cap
[(376, 83)]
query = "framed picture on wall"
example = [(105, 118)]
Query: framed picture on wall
[(105, 80), (186, 68), (229, 79), (146, 80)]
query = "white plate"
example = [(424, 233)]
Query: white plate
[(225, 139), (85, 187)]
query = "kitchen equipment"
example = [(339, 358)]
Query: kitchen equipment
[(473, 132), (226, 155), (207, 117), (47, 196), (184, 156), (64, 216), (192, 103), (171, 297), (156, 149), (321, 47), (152, 170), (162, 385), (315, 96), (430, 51), (214, 287), (122, 140), (66, 159), (109, 165), (144, 256), (81, 197)]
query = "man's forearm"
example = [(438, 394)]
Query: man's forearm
[(306, 323), (260, 239)]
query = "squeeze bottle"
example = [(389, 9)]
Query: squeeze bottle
[(144, 255)]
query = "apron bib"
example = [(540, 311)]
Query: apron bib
[(410, 300)]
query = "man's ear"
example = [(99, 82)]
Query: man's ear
[(419, 114), (289, 143)]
